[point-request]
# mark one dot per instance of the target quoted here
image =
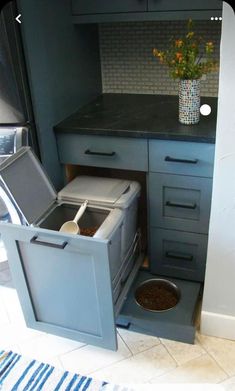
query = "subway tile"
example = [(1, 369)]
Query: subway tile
[(128, 47)]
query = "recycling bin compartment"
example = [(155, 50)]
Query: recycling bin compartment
[(109, 193), (104, 223), (67, 284)]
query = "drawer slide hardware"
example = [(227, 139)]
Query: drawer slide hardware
[(35, 240), (175, 160), (181, 205), (175, 255), (110, 154)]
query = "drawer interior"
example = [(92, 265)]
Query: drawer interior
[(91, 219)]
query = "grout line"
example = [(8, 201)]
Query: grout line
[(145, 349), (222, 369), (207, 350), (58, 358), (177, 364), (132, 354)]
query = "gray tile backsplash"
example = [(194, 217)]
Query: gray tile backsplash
[(128, 65)]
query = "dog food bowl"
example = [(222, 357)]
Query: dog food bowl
[(157, 295)]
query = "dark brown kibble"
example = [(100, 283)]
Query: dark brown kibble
[(156, 297), (88, 231)]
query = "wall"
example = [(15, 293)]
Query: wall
[(218, 310), (128, 65), (64, 70)]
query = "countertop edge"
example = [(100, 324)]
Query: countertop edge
[(135, 134)]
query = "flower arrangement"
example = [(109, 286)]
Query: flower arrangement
[(188, 57)]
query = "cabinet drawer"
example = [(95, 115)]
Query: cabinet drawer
[(81, 7), (178, 254), (176, 5), (100, 151), (63, 282), (179, 157), (179, 202)]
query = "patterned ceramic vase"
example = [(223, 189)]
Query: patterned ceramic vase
[(189, 101)]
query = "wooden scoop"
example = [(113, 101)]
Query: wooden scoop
[(71, 227)]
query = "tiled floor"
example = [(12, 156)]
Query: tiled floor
[(140, 359)]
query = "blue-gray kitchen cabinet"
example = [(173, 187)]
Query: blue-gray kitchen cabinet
[(179, 179), (106, 6), (91, 11), (176, 5), (180, 186)]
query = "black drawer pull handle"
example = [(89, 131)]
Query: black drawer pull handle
[(181, 205), (175, 160), (123, 326), (35, 240), (175, 255), (88, 152)]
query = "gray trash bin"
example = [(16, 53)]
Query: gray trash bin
[(108, 193)]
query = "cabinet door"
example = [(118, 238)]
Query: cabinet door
[(179, 202), (176, 5), (178, 254), (63, 283), (81, 7)]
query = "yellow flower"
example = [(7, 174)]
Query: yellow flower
[(190, 34), (189, 56), (209, 47), (159, 54)]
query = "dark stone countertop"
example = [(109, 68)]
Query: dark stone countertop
[(139, 116)]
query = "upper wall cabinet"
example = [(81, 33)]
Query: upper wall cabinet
[(81, 7), (98, 11), (181, 5)]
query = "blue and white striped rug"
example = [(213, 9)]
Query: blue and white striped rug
[(18, 373)]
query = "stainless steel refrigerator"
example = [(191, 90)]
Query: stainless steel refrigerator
[(17, 126)]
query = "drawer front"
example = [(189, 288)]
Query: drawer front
[(81, 7), (176, 5), (102, 151), (179, 157), (179, 202), (178, 254), (63, 283)]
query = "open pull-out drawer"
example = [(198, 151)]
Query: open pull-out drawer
[(64, 283)]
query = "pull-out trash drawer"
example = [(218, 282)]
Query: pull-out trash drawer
[(65, 282)]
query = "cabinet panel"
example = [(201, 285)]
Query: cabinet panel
[(80, 7), (179, 157), (176, 5), (179, 202), (100, 151), (178, 254), (63, 283)]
